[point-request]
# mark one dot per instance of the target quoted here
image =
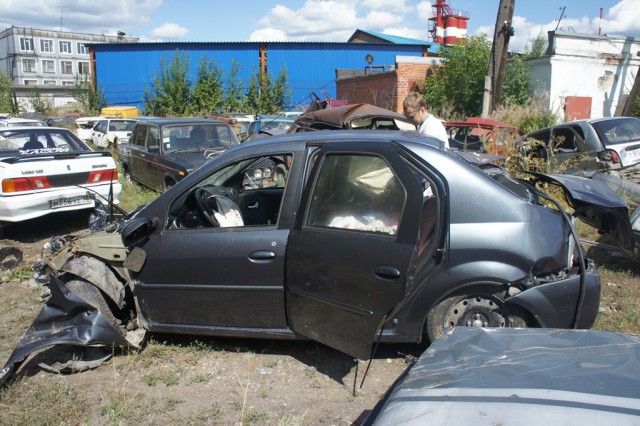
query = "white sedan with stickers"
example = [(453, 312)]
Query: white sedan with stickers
[(48, 169)]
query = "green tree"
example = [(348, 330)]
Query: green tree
[(90, 100), (457, 85), (170, 93), (7, 95), (516, 88), (253, 98), (235, 98), (266, 95), (207, 94), (281, 92), (538, 47), (38, 103)]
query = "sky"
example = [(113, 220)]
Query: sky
[(312, 20)]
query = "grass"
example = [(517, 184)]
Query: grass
[(56, 400)]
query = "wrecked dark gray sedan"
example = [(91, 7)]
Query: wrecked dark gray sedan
[(347, 238)]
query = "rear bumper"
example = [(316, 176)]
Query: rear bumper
[(17, 208), (567, 303)]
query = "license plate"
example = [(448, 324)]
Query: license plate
[(634, 155), (67, 202)]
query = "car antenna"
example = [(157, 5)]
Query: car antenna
[(374, 349), (112, 204)]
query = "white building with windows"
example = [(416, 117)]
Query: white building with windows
[(47, 60)]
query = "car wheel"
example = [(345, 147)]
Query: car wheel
[(94, 297), (482, 307), (168, 184)]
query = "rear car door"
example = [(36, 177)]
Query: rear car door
[(570, 152), (350, 252), (138, 153), (99, 132)]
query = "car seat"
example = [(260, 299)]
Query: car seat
[(33, 143)]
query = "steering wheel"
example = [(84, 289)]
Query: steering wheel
[(206, 205)]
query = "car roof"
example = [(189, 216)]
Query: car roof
[(39, 128), (321, 136), (20, 120), (186, 120)]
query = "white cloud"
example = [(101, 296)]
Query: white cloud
[(330, 20), (424, 10), (169, 31), (83, 16), (623, 19)]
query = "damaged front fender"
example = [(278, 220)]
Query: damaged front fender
[(65, 319), (99, 274)]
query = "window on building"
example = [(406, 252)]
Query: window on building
[(26, 43), (82, 49), (48, 66), (66, 67), (83, 68), (46, 46), (67, 83), (28, 65), (65, 47), (49, 82), (30, 82)]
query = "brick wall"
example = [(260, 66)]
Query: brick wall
[(386, 90)]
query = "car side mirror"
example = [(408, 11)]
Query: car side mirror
[(154, 149), (137, 230)]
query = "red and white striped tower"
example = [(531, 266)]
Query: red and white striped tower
[(447, 25)]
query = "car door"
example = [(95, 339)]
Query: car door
[(137, 153), (98, 132), (150, 157), (226, 280), (349, 255), (570, 152)]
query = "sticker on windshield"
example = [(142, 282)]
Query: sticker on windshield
[(44, 150)]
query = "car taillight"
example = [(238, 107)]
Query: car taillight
[(103, 175), (25, 184), (610, 156)]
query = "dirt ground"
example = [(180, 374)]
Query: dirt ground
[(177, 379)]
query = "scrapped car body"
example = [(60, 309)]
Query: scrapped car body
[(85, 126), (352, 117), (480, 134), (47, 169), (347, 238), (111, 131), (162, 151), (585, 147), (519, 376), (21, 122), (265, 123)]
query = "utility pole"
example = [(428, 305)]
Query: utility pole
[(633, 95), (497, 61)]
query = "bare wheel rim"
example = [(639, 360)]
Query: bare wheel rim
[(477, 311)]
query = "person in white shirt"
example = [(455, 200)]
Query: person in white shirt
[(415, 109)]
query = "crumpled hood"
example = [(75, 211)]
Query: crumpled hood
[(596, 205)]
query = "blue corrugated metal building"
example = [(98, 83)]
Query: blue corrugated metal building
[(123, 71)]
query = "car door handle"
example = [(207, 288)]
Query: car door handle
[(254, 206), (262, 256), (387, 272)]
